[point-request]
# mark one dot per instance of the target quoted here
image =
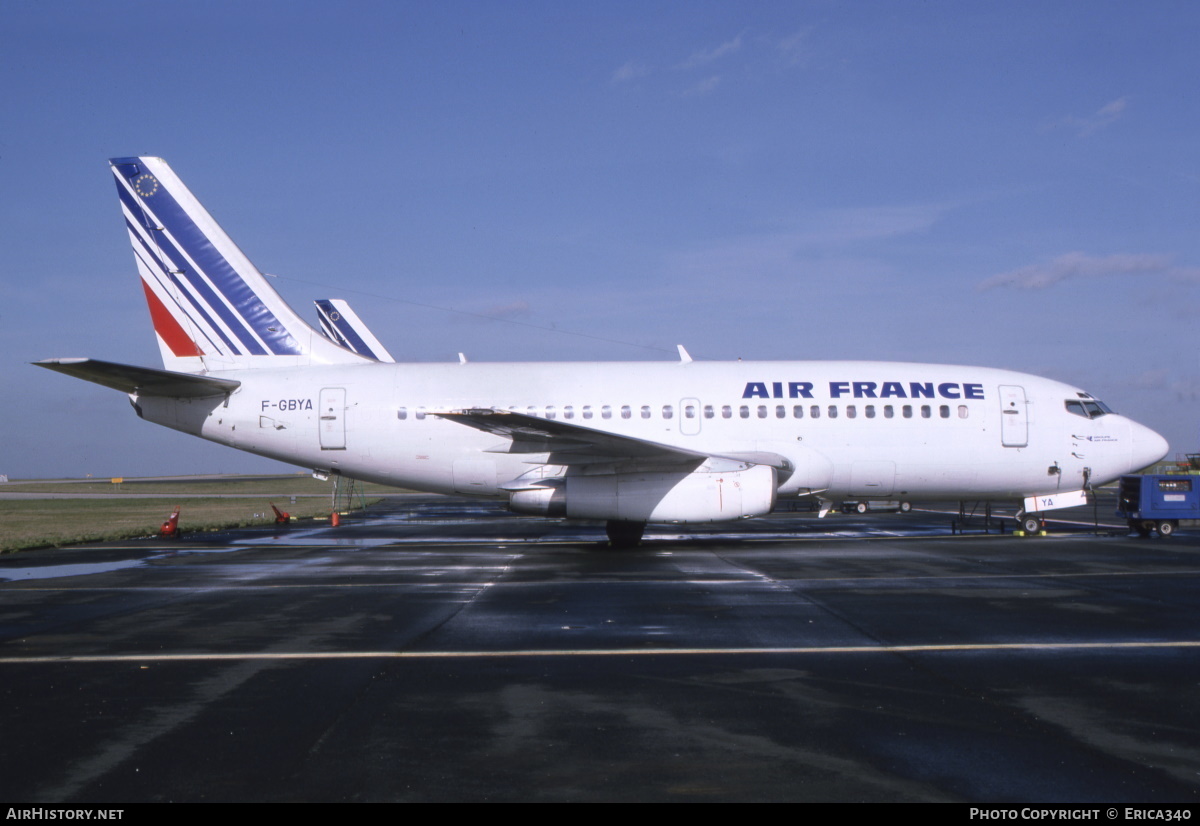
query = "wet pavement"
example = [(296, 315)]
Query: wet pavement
[(442, 649)]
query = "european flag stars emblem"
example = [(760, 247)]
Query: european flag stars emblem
[(145, 185)]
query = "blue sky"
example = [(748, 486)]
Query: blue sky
[(1009, 184)]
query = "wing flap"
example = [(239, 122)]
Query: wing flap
[(570, 443), (145, 381)]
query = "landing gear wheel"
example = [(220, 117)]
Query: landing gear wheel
[(625, 534), (905, 507), (861, 507), (1166, 528), (1031, 524)]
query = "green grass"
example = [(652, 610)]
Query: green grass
[(291, 485), (38, 523)]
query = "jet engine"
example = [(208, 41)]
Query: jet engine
[(706, 494)]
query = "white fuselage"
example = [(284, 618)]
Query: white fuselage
[(848, 429)]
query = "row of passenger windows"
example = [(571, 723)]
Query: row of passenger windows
[(745, 411)]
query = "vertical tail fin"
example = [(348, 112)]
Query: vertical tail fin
[(341, 325), (212, 309)]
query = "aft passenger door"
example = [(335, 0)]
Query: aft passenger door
[(1014, 416), (333, 418)]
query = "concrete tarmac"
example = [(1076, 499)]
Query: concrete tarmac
[(443, 650)]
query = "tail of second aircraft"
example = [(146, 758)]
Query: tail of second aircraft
[(212, 309), (340, 324)]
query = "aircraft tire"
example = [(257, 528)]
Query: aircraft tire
[(1031, 524), (624, 534)]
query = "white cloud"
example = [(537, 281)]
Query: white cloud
[(630, 71), (794, 48), (706, 56), (1081, 265), (1105, 116), (705, 86), (859, 224), (826, 234)]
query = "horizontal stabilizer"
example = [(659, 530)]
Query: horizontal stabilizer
[(145, 381)]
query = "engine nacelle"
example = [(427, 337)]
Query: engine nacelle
[(703, 495), (550, 499)]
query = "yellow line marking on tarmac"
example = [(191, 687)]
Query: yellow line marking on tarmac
[(607, 652)]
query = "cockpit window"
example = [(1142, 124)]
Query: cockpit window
[(1087, 408)]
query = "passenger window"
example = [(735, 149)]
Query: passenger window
[(744, 411), (944, 411), (963, 411), (420, 412), (762, 411), (587, 411), (870, 411), (645, 411), (689, 411), (568, 412), (668, 411), (626, 412), (402, 413), (798, 411), (726, 412), (833, 411), (532, 410), (708, 411), (814, 412), (925, 411), (907, 411), (549, 411), (851, 411), (780, 411), (606, 411)]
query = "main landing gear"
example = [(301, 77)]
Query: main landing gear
[(625, 534)]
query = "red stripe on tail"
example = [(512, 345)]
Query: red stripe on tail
[(168, 328)]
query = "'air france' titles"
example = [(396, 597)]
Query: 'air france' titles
[(865, 390)]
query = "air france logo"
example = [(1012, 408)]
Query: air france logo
[(865, 390)]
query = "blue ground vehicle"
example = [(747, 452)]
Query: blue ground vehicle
[(1157, 502)]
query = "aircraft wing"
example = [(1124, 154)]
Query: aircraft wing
[(576, 444), (145, 381)]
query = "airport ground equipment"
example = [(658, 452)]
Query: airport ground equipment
[(1154, 502), (170, 528), (864, 505)]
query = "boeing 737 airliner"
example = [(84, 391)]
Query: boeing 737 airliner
[(624, 443)]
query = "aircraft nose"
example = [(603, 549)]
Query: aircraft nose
[(1146, 446)]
